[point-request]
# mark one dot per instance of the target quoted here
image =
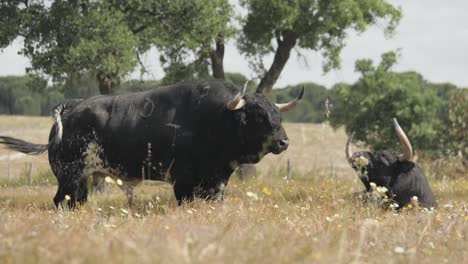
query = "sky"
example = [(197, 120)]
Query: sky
[(432, 38)]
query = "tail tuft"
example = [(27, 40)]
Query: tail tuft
[(57, 117), (35, 149), (23, 146), (57, 113)]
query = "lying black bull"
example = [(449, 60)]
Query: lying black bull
[(403, 178), (191, 134)]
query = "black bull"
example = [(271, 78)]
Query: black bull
[(191, 134), (401, 176)]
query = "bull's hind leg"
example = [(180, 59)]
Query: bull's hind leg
[(72, 186), (75, 191)]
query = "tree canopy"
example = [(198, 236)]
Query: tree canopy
[(276, 27), (368, 106), (65, 39)]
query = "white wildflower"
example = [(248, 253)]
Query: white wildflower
[(381, 189), (330, 219), (252, 195), (109, 179), (67, 197), (119, 182), (399, 250)]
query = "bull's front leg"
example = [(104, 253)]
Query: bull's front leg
[(183, 179), (128, 186), (183, 192), (212, 187)]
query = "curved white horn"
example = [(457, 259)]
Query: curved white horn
[(408, 150), (348, 152), (288, 106), (245, 88), (236, 103)]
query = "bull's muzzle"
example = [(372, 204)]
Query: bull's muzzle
[(279, 146)]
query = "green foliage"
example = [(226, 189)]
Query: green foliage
[(179, 71), (236, 78), (21, 95), (240, 80), (64, 39), (30, 95), (189, 40), (104, 44), (277, 26), (138, 86), (9, 22), (312, 108), (368, 106), (79, 86), (457, 142)]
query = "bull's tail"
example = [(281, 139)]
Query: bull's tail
[(57, 114), (35, 149), (23, 146), (58, 127)]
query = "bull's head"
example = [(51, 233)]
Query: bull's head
[(373, 166), (258, 123)]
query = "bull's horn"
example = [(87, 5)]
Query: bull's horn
[(408, 150), (238, 102), (245, 88), (288, 106), (348, 151)]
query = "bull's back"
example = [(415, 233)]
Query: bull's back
[(413, 182), (129, 129)]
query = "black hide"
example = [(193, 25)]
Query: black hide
[(403, 179), (183, 134)]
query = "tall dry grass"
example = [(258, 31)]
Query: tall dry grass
[(311, 219)]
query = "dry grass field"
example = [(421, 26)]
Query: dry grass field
[(311, 219)]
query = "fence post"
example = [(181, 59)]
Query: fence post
[(30, 173), (289, 170), (9, 168)]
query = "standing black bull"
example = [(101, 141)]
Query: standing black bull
[(191, 134), (402, 178)]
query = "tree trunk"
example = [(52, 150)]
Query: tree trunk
[(217, 57), (106, 83), (283, 51)]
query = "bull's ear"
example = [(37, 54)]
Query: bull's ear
[(291, 105), (236, 103)]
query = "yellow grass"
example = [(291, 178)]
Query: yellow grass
[(311, 219)]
